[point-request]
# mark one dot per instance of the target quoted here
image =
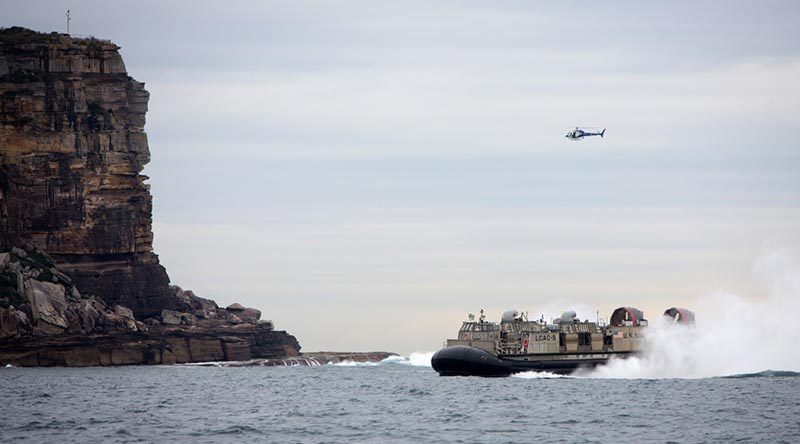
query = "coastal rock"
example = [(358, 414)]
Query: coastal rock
[(113, 322), (89, 315), (81, 357), (72, 315), (179, 349), (8, 323), (214, 341), (123, 311), (48, 303), (128, 355), (242, 313), (236, 349), (48, 308), (170, 317), (188, 319), (204, 350), (250, 314)]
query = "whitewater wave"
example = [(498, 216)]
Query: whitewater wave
[(354, 364), (416, 359)]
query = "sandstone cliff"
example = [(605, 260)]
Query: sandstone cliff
[(75, 222), (72, 147)]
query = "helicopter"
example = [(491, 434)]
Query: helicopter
[(579, 134)]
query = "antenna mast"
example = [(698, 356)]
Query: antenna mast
[(68, 19)]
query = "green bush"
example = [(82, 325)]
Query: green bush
[(95, 109), (8, 291)]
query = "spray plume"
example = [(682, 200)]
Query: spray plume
[(732, 336)]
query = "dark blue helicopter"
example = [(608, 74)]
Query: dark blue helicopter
[(579, 134)]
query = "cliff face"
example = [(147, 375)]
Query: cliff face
[(72, 149), (79, 282)]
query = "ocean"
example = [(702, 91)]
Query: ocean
[(396, 401)]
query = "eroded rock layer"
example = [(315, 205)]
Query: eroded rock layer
[(72, 149), (158, 345)]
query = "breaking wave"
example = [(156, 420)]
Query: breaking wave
[(416, 359), (354, 364)]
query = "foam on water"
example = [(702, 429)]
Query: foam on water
[(354, 364), (539, 375)]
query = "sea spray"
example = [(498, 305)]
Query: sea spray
[(733, 335), (539, 375), (420, 359)]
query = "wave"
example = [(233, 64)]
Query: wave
[(347, 363), (416, 359)]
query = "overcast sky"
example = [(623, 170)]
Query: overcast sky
[(366, 173)]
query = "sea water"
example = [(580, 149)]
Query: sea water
[(398, 400)]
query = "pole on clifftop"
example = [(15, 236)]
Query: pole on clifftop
[(68, 19)]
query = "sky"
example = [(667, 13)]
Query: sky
[(367, 173)]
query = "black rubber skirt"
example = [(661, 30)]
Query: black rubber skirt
[(461, 360)]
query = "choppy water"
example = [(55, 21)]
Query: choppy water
[(388, 402)]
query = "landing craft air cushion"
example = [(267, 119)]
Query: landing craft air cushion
[(579, 134), (561, 346)]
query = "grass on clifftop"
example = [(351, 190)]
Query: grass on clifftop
[(18, 34)]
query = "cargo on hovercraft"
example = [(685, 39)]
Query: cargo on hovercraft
[(560, 346)]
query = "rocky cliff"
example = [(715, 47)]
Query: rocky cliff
[(72, 149), (76, 216), (45, 320)]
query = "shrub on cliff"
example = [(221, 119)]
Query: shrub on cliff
[(8, 290), (18, 34)]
